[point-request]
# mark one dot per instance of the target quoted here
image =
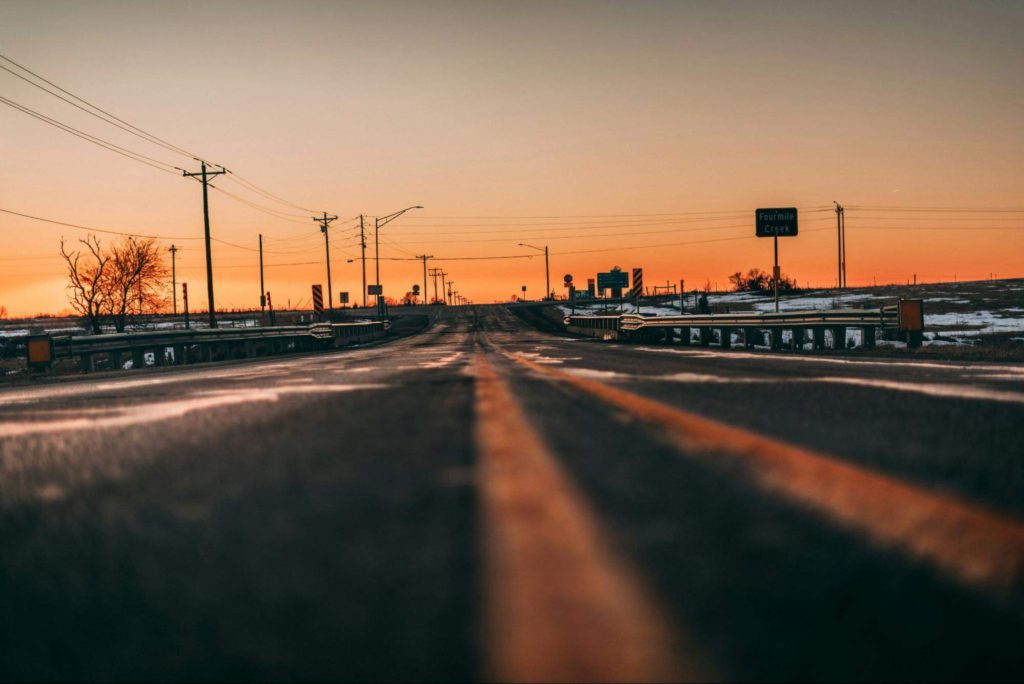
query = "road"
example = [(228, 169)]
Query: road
[(484, 500)]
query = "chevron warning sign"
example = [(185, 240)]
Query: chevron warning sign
[(318, 300), (638, 283)]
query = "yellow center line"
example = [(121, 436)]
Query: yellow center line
[(559, 605), (972, 544)]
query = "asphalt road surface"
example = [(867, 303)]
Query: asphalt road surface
[(483, 500)]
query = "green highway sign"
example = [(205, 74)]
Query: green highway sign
[(776, 222)]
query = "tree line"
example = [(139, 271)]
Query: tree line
[(756, 280)]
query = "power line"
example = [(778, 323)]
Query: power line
[(560, 216), (956, 210), (123, 151), (265, 193), (98, 230), (138, 131), (107, 117), (281, 216), (671, 244)]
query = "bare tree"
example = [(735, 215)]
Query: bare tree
[(87, 280), (136, 280)]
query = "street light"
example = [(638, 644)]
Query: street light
[(378, 223), (547, 271)]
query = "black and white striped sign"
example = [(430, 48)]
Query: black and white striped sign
[(318, 300), (638, 283)]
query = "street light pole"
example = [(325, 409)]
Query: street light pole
[(547, 268), (378, 223)]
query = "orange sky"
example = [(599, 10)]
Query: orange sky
[(621, 121)]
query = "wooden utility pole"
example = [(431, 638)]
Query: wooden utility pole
[(263, 289), (204, 177), (840, 246), (424, 257), (435, 272), (174, 278), (362, 243), (325, 221)]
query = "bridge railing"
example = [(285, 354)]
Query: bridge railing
[(187, 346), (905, 319)]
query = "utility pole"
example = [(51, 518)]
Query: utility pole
[(324, 222), (263, 296), (424, 257), (434, 272), (446, 296), (450, 283), (174, 278), (204, 177), (840, 247), (547, 274), (362, 243), (842, 216)]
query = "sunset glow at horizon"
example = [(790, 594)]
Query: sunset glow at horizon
[(630, 134)]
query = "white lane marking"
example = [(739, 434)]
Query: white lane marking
[(443, 361), (137, 414), (931, 389), (38, 393), (719, 379), (1000, 376), (745, 356), (594, 373), (537, 357), (944, 390)]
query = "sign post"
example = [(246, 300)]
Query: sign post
[(776, 223), (184, 298), (377, 291)]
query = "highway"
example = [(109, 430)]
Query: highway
[(485, 500)]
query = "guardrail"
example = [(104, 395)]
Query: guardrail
[(905, 319), (175, 347)]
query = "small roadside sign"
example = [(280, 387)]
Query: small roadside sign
[(375, 289), (318, 300), (40, 351), (612, 280), (638, 283), (779, 222), (343, 297)]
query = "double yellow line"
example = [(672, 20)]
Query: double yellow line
[(561, 605)]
